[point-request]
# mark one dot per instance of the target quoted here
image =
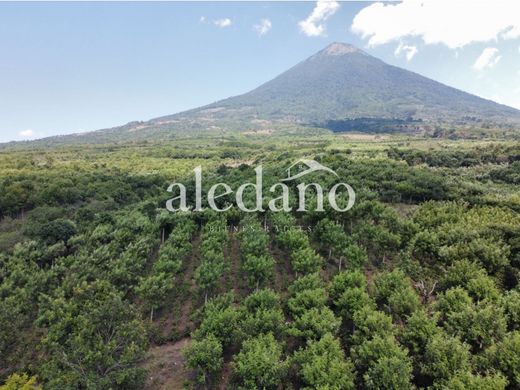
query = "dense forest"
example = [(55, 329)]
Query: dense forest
[(417, 286)]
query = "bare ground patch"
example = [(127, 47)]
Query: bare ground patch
[(166, 366)]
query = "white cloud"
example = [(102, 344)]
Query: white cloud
[(314, 25), (452, 23), (487, 59), (409, 51), (26, 133), (202, 19), (263, 27), (226, 22)]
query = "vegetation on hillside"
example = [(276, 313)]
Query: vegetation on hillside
[(417, 286)]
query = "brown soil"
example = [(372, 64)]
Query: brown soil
[(364, 137), (164, 363), (185, 324), (283, 275), (166, 366), (234, 279), (227, 372)]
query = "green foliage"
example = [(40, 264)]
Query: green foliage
[(293, 239), (87, 250), (322, 365), (257, 263), (508, 357), (355, 256), (258, 269), (348, 292), (57, 230), (307, 299), (480, 324), (473, 278), (94, 339), (467, 381), (221, 320), (369, 323), (511, 303), (306, 260), (262, 299), (444, 356), (155, 288), (314, 323), (20, 382), (383, 363), (213, 265), (419, 329), (205, 356), (351, 301), (346, 280), (394, 292), (259, 363), (307, 282)]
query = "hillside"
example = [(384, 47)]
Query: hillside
[(415, 287)]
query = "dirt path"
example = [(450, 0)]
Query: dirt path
[(283, 275), (166, 366), (185, 324), (234, 278), (164, 363), (227, 372)]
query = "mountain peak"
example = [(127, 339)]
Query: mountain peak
[(340, 49), (342, 87)]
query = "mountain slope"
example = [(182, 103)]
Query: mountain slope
[(341, 87), (342, 82)]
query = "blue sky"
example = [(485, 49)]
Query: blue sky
[(69, 67)]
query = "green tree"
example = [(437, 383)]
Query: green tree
[(355, 256), (205, 356), (307, 299), (259, 363), (154, 290), (331, 236), (352, 300), (57, 230), (262, 299), (464, 380), (220, 319), (369, 323), (264, 314), (21, 382), (94, 339), (394, 292), (508, 358), (383, 363), (258, 269), (511, 304), (315, 323), (306, 260), (445, 356), (346, 280), (293, 239), (480, 324), (207, 276), (419, 329), (322, 365)]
